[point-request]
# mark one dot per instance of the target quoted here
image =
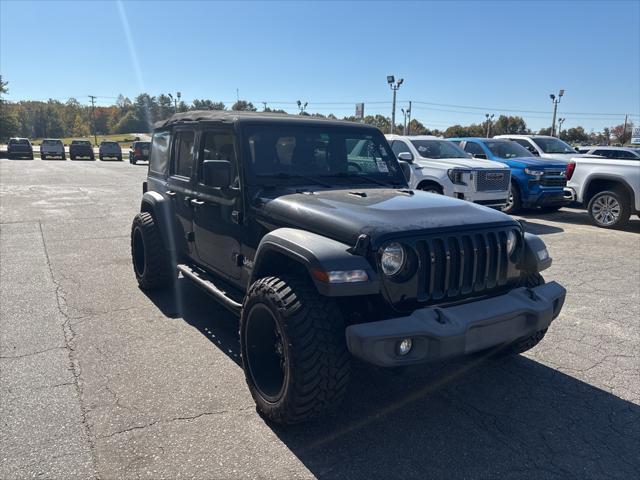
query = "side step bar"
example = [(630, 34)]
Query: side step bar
[(208, 286)]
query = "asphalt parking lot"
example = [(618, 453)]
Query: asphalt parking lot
[(100, 380)]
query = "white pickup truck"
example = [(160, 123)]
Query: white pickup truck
[(440, 166), (608, 188)]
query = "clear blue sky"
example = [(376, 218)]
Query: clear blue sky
[(496, 56)]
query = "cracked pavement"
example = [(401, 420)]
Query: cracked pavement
[(99, 380)]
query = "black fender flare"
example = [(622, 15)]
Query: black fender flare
[(535, 257), (160, 208), (315, 252)]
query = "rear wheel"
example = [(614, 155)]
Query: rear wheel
[(151, 261), (43, 156), (294, 352), (609, 209)]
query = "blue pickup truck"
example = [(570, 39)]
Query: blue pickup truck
[(535, 182)]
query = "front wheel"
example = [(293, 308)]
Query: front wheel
[(609, 209), (151, 261), (293, 347), (514, 203)]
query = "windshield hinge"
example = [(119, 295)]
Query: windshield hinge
[(362, 245)]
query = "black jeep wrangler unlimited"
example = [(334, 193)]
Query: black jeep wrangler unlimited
[(325, 255)]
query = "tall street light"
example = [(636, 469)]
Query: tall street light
[(391, 80), (556, 101), (489, 119), (302, 107), (560, 122)]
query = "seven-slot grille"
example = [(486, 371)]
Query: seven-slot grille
[(492, 180), (456, 265)]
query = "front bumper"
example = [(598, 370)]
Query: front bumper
[(547, 199), (490, 198), (442, 333)]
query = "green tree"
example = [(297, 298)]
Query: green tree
[(130, 123), (206, 104), (574, 135), (509, 125), (9, 124), (622, 136), (243, 106)]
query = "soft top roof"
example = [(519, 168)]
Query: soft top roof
[(232, 116)]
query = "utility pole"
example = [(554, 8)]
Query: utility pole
[(556, 101), (93, 118), (265, 106), (489, 119), (391, 80), (409, 115), (624, 130)]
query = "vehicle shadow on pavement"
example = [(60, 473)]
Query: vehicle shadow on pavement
[(539, 228), (477, 418), (573, 217)]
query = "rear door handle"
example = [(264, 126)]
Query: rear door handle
[(170, 193), (195, 201)]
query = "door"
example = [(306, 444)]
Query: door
[(217, 212), (180, 188)]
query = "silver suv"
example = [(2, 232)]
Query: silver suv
[(110, 149), (52, 147)]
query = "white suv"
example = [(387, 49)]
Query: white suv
[(440, 166), (545, 146)]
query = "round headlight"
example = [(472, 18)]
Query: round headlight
[(392, 259), (512, 239)]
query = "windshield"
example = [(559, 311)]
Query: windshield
[(552, 145), (51, 142), (507, 149), (19, 141), (295, 152), (438, 149)]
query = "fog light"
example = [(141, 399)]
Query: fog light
[(404, 346)]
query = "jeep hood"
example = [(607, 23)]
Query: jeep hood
[(380, 213)]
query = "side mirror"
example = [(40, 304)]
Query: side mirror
[(405, 157), (480, 155), (216, 173)]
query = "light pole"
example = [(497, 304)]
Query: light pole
[(560, 122), (556, 101), (404, 128), (489, 119), (302, 106), (391, 80), (409, 119)]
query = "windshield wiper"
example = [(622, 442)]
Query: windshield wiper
[(285, 175)]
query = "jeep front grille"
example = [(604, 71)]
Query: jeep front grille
[(460, 264), (492, 180)]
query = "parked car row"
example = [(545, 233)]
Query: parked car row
[(54, 148)]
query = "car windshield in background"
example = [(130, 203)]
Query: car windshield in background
[(507, 149), (51, 142), (438, 149), (552, 145), (299, 152), (81, 142), (21, 141)]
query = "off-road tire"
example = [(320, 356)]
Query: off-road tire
[(516, 205), (151, 260), (624, 209), (315, 361)]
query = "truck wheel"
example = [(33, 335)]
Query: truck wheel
[(609, 209), (151, 262), (431, 188), (293, 347), (514, 203)]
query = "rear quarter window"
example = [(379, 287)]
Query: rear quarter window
[(159, 157)]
